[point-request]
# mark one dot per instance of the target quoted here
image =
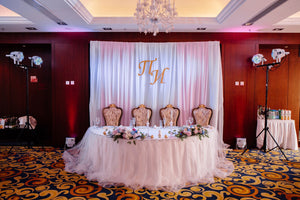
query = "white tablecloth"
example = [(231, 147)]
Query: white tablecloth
[(157, 163), (283, 131)]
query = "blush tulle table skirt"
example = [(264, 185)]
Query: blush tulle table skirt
[(159, 163)]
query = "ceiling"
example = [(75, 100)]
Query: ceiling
[(118, 16)]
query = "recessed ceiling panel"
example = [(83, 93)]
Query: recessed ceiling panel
[(126, 8), (291, 20), (5, 12), (296, 15)]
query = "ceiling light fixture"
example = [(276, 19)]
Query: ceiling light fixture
[(107, 28), (278, 29), (31, 28), (248, 24), (158, 15)]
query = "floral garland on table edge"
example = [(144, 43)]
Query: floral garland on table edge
[(125, 133), (191, 131)]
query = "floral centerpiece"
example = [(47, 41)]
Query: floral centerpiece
[(191, 131), (126, 133)]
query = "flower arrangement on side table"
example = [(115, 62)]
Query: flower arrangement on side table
[(191, 131), (126, 133)]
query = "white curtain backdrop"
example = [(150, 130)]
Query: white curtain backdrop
[(192, 76)]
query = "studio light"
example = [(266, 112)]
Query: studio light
[(258, 58), (17, 56), (151, 16), (278, 54), (36, 60)]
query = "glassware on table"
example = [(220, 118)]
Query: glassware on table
[(133, 122), (191, 120), (97, 122), (165, 121), (187, 122), (160, 123), (147, 124), (130, 123), (171, 123)]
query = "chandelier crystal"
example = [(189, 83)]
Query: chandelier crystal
[(158, 15)]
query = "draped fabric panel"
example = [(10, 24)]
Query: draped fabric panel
[(184, 74)]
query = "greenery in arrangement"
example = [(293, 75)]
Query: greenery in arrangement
[(131, 134), (126, 133), (191, 131)]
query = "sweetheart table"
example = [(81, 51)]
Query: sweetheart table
[(161, 161)]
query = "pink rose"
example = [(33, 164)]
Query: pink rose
[(125, 136), (115, 132), (188, 133)]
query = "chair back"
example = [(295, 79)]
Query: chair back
[(169, 114), (142, 115), (23, 121), (202, 115), (112, 115)]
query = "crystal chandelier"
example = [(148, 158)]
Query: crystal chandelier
[(158, 14)]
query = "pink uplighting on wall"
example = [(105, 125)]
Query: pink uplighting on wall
[(72, 110), (71, 119)]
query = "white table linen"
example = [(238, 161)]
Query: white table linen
[(158, 163), (283, 131)]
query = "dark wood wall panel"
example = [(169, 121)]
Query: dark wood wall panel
[(70, 102), (69, 58), (294, 83), (237, 98)]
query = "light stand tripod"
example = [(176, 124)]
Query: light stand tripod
[(29, 131), (27, 128), (266, 114)]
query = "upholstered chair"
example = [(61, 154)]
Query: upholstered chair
[(142, 115), (112, 115), (169, 113), (23, 121), (202, 115)]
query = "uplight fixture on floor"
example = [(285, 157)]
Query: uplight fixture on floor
[(70, 142), (159, 14), (241, 143)]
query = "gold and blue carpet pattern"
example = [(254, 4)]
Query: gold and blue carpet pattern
[(39, 174)]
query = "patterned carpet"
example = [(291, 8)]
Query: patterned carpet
[(39, 174)]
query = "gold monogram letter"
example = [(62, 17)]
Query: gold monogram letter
[(161, 76), (142, 65)]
